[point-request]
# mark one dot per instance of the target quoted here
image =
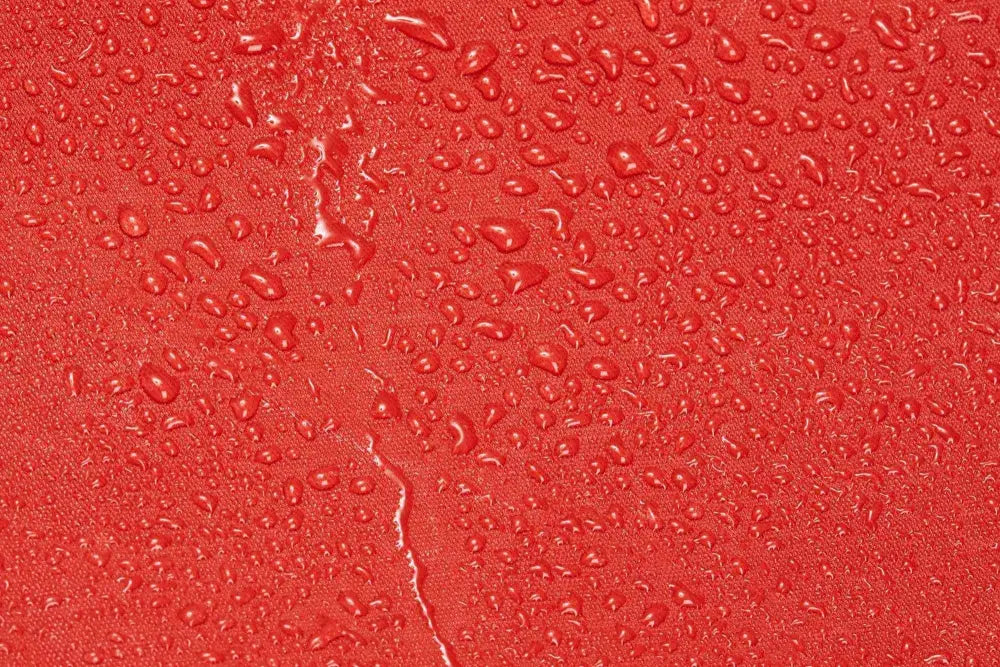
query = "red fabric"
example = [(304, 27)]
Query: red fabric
[(546, 332)]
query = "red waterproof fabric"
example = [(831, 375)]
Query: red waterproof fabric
[(538, 332)]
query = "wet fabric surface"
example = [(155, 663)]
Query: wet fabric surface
[(522, 333)]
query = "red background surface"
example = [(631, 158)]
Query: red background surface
[(537, 332)]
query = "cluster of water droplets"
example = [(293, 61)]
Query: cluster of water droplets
[(541, 332)]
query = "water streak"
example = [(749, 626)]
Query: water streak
[(396, 474)]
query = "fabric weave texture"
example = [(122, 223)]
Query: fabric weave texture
[(529, 332)]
